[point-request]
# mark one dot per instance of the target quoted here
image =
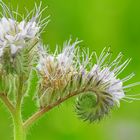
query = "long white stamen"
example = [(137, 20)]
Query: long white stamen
[(133, 95), (128, 77), (116, 61), (123, 67), (120, 68), (127, 100), (131, 98), (131, 85)]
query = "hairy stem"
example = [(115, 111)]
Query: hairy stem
[(43, 110), (7, 103), (19, 94), (19, 133)]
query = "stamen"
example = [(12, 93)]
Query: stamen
[(131, 85), (127, 100), (128, 77), (120, 68), (131, 98)]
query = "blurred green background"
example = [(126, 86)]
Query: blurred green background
[(99, 23)]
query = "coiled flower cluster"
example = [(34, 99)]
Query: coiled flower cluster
[(68, 73)]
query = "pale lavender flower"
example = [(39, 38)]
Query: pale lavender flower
[(102, 82), (16, 34)]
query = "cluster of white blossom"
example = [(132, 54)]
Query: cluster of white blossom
[(15, 34)]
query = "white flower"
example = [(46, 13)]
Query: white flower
[(62, 62), (104, 79), (16, 34), (66, 58), (56, 71)]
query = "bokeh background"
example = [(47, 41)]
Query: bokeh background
[(100, 23)]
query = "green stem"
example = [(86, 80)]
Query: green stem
[(7, 103), (19, 132), (43, 110)]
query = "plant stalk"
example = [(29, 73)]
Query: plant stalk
[(7, 103), (43, 110), (19, 132)]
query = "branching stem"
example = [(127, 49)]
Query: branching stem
[(43, 110), (8, 103)]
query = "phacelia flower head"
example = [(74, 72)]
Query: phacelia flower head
[(56, 69), (71, 73), (15, 33), (19, 36), (103, 88)]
